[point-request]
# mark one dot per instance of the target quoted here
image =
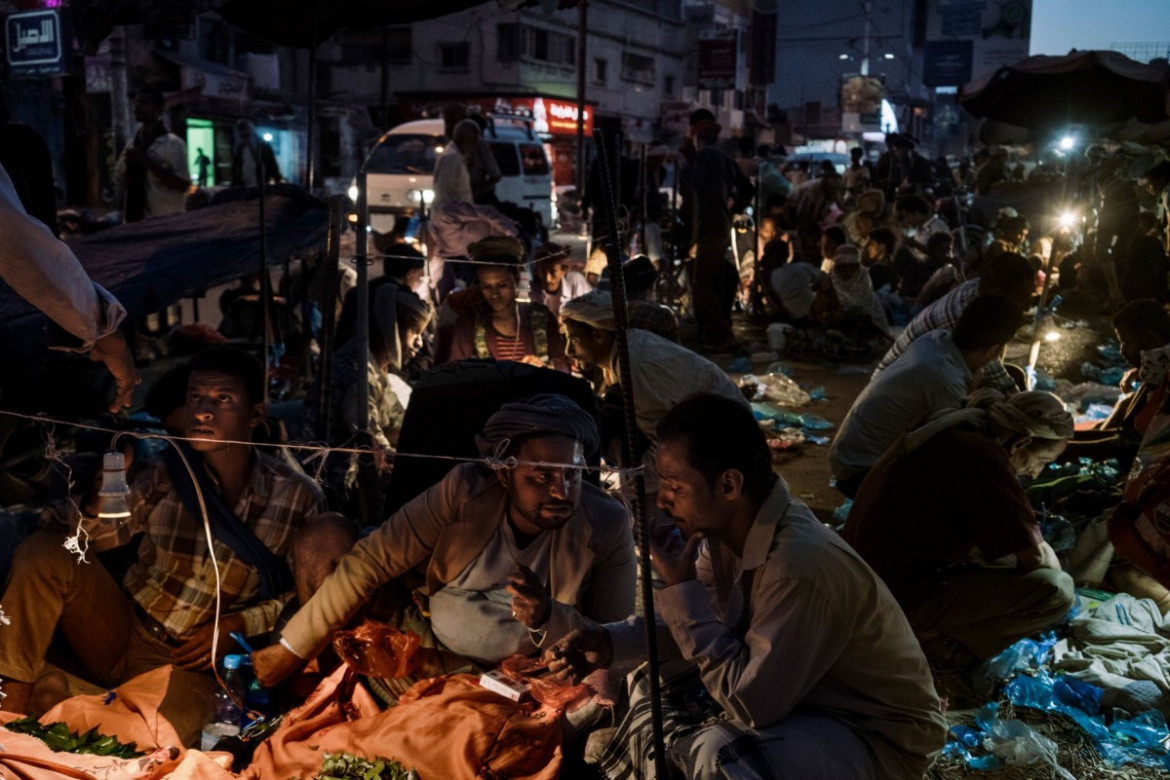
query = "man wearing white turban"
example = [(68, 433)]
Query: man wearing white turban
[(944, 522), (509, 554)]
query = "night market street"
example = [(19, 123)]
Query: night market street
[(584, 389)]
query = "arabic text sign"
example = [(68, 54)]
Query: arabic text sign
[(33, 43)]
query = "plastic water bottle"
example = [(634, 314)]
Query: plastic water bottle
[(228, 716), (257, 706)]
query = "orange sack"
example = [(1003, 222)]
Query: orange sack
[(445, 728)]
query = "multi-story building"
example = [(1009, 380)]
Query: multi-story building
[(643, 75)]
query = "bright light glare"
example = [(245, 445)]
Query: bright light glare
[(352, 192), (428, 196), (1052, 335), (842, 56), (888, 56), (438, 150), (1068, 219), (1068, 142), (268, 137)]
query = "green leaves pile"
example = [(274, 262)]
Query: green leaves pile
[(61, 740), (347, 766)]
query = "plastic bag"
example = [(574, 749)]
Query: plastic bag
[(777, 388), (1024, 654), (378, 650), (557, 694), (1018, 744)]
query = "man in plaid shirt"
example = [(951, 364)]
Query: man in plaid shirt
[(1008, 276), (164, 609)]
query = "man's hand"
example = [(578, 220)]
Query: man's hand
[(531, 604), (194, 655), (671, 557), (533, 360), (579, 653), (274, 664), (112, 350)]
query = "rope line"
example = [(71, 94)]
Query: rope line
[(494, 461)]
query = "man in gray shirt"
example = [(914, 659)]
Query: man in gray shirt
[(811, 669), (936, 372)]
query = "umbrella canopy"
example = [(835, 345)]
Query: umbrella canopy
[(1089, 87)]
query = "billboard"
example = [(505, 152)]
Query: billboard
[(947, 63), (34, 44), (999, 32), (719, 60)]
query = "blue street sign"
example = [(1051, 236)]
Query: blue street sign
[(34, 44)]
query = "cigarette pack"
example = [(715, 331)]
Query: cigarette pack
[(499, 682)]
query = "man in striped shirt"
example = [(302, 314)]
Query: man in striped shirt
[(1008, 276), (165, 607)]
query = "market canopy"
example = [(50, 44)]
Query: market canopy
[(151, 264), (1086, 88)]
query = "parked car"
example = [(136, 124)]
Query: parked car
[(400, 169)]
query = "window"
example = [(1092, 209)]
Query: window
[(411, 154), (638, 68), (668, 86), (505, 154), (518, 42), (507, 42), (532, 156), (540, 45), (600, 71), (214, 41), (455, 56), (371, 47)]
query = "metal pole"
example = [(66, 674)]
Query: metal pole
[(582, 61), (368, 484), (622, 315), (643, 179), (328, 312), (361, 326), (266, 308), (384, 119), (311, 132)]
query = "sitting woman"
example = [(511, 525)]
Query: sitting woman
[(499, 326), (398, 318), (943, 520), (847, 320)]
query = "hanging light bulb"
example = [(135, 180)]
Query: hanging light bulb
[(112, 503)]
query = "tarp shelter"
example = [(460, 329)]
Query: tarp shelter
[(151, 264)]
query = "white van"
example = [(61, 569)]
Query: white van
[(400, 169)]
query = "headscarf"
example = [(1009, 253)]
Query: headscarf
[(1034, 414), (594, 309), (504, 250), (395, 306), (856, 292), (548, 413)]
